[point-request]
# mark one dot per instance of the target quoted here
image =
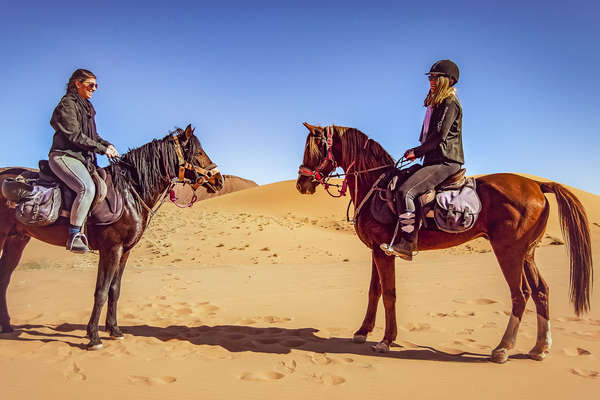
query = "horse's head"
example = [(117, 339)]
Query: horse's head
[(194, 165), (318, 161)]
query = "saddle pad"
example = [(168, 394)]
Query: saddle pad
[(457, 210), (105, 213)]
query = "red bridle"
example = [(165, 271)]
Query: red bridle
[(317, 174)]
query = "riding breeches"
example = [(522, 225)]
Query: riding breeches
[(75, 175), (423, 180)]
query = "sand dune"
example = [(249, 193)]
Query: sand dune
[(256, 294)]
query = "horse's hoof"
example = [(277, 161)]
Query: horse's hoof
[(359, 338), (538, 356), (6, 329), (381, 347), (93, 347), (499, 356)]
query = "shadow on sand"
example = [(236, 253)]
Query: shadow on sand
[(238, 338)]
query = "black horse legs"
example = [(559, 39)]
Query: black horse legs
[(108, 267)]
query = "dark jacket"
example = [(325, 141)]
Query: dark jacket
[(73, 121), (443, 142)]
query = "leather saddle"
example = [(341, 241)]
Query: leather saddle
[(382, 204), (106, 208)]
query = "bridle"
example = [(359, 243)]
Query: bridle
[(203, 175), (317, 175)]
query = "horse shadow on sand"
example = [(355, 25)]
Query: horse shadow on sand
[(239, 338)]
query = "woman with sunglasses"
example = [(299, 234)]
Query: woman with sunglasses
[(441, 149), (72, 156)]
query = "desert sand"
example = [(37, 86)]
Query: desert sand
[(256, 294)]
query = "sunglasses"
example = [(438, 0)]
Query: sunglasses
[(90, 85)]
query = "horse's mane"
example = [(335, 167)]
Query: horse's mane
[(143, 168), (353, 149)]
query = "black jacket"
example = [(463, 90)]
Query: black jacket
[(73, 121), (443, 142)]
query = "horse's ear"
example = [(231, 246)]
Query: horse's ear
[(309, 126), (189, 131)]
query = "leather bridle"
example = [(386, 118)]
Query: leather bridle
[(203, 175), (326, 137)]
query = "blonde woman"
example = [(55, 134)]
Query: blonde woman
[(441, 149)]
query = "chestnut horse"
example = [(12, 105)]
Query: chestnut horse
[(142, 176), (513, 218)]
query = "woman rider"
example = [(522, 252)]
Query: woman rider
[(441, 148), (72, 156)]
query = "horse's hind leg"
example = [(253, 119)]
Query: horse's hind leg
[(360, 336), (12, 250), (540, 297), (113, 297), (511, 262)]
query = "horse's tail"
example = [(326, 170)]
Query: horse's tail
[(576, 233)]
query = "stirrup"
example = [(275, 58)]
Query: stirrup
[(78, 243), (390, 251)]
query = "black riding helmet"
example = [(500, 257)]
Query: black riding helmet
[(445, 68)]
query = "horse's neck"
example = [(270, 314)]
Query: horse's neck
[(157, 194), (365, 180)]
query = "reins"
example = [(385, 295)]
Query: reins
[(183, 166), (317, 175)]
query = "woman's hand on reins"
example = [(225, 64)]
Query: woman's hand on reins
[(410, 155), (111, 152)]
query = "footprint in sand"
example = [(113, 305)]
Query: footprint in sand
[(75, 372), (320, 359), (150, 381), (261, 376), (416, 327), (328, 379), (585, 373), (288, 367), (576, 352)]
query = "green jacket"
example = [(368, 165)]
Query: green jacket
[(75, 129), (443, 141)]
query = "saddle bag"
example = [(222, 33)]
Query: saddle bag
[(457, 210), (35, 205)]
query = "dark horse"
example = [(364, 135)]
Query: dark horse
[(514, 216), (142, 177)]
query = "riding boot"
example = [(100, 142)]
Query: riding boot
[(77, 242), (409, 230)]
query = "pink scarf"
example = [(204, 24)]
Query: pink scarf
[(426, 124)]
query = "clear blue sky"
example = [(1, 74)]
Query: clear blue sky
[(247, 74)]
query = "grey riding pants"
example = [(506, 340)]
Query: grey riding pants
[(77, 177), (422, 181)]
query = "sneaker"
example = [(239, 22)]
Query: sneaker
[(78, 243)]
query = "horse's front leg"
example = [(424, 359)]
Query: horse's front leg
[(107, 268), (360, 336), (113, 297), (387, 277)]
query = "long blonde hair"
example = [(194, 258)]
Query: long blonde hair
[(443, 91)]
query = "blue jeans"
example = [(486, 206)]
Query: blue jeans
[(76, 176)]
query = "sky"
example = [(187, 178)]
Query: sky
[(247, 74)]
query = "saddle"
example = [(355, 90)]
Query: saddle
[(452, 206), (106, 208)]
